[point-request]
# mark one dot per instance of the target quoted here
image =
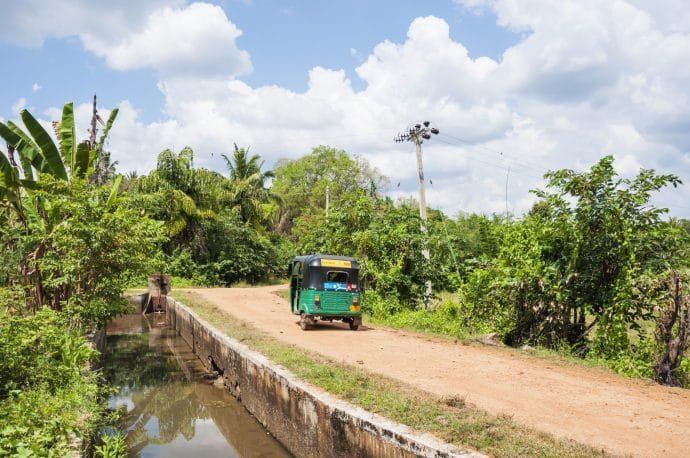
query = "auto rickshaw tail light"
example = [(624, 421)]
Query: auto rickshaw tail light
[(355, 305), (317, 301)]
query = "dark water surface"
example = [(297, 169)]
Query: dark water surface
[(172, 407)]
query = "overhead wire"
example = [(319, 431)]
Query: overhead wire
[(502, 160), (447, 236), (493, 164), (502, 154)]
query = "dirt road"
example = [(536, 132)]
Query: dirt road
[(588, 405)]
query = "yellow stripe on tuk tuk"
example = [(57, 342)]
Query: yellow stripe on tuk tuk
[(336, 263)]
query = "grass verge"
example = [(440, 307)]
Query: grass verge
[(449, 419)]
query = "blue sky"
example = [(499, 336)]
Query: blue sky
[(285, 41), (516, 88)]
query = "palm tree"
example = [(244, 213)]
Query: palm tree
[(182, 196), (248, 185)]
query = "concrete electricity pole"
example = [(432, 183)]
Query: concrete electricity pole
[(417, 134)]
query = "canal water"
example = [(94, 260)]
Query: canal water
[(172, 407)]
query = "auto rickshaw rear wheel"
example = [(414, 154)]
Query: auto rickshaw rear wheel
[(303, 321), (354, 323)]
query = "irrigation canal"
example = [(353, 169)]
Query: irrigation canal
[(172, 407)]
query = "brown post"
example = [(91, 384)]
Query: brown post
[(159, 287)]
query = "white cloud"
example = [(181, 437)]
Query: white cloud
[(168, 36), (36, 87), (19, 105), (570, 92), (194, 40), (589, 78), (30, 22)]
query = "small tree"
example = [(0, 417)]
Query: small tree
[(616, 235)]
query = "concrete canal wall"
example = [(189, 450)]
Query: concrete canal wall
[(305, 419)]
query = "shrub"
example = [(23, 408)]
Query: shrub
[(48, 396)]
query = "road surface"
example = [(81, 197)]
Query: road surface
[(591, 406)]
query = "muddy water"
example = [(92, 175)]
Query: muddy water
[(172, 407)]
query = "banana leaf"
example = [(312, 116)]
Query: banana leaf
[(82, 160), (106, 130), (68, 137), (46, 145), (22, 144), (8, 174), (114, 190), (28, 149)]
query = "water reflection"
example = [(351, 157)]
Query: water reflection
[(172, 407)]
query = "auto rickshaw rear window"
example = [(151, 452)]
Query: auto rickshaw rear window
[(337, 276)]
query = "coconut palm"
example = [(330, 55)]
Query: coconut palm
[(248, 185), (181, 196)]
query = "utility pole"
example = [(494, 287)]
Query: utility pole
[(507, 176), (94, 127), (417, 134)]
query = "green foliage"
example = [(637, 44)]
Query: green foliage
[(182, 197), (457, 246), (248, 187), (214, 223), (380, 307), (47, 394), (91, 250), (50, 213), (112, 446), (40, 342), (301, 184), (443, 318), (636, 360), (570, 267)]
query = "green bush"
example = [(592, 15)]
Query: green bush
[(48, 396), (112, 446), (380, 306)]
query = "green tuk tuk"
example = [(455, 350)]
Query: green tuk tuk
[(325, 287)]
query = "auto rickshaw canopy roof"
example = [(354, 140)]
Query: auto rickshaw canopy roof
[(327, 260)]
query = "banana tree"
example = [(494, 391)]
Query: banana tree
[(38, 152), (39, 156)]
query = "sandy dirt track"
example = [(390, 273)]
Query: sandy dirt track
[(591, 406)]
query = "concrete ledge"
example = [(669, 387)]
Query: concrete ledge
[(305, 419)]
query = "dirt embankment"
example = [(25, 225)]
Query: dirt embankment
[(591, 406)]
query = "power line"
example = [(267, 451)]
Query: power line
[(501, 154), (494, 165), (445, 229)]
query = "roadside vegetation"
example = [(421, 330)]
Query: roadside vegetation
[(594, 270), (449, 419), (70, 244)]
